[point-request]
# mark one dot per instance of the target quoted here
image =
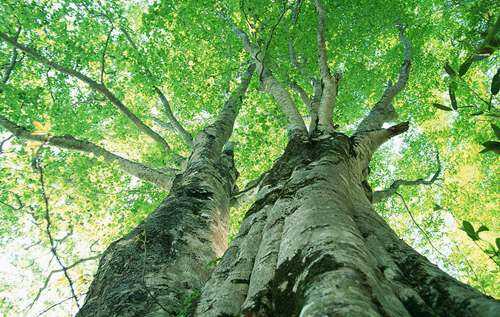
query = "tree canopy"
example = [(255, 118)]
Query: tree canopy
[(98, 97)]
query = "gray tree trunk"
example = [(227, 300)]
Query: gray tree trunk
[(166, 260), (163, 261), (312, 245)]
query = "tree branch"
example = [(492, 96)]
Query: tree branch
[(160, 178), (103, 57), (271, 85), (212, 139), (12, 63), (53, 244), (320, 39), (383, 110), (302, 93), (5, 141), (329, 94), (183, 133), (388, 192), (92, 84), (367, 142)]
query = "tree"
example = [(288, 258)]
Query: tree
[(311, 244)]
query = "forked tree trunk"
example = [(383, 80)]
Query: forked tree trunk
[(312, 245)]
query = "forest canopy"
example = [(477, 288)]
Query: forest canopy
[(98, 98)]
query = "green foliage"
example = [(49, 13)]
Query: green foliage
[(194, 58)]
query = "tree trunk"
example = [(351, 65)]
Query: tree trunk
[(164, 262), (166, 259), (312, 245)]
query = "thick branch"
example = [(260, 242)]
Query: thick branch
[(92, 84), (271, 85), (367, 142), (330, 89), (213, 138), (160, 178), (383, 110), (386, 193), (320, 39)]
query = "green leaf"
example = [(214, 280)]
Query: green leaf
[(493, 146), (496, 129), (469, 230), (442, 107), (449, 70), (490, 250), (465, 66), (453, 98), (497, 242), (437, 207), (482, 228), (495, 83)]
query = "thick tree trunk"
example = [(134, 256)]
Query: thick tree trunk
[(312, 245), (163, 261)]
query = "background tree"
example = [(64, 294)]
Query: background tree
[(92, 59)]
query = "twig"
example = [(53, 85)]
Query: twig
[(53, 243), (419, 227), (57, 304), (103, 57)]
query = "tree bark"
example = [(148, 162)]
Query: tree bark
[(312, 245), (166, 259), (163, 261)]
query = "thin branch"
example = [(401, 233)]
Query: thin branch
[(162, 178), (271, 34), (57, 304), (103, 57), (186, 136), (429, 240), (51, 273), (20, 204), (291, 49), (12, 63), (386, 193), (302, 93), (383, 110), (92, 84), (53, 246), (5, 141)]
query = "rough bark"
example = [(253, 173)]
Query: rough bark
[(165, 260), (312, 245), (167, 257)]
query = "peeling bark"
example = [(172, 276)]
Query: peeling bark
[(312, 245)]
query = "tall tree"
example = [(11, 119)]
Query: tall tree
[(311, 243)]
